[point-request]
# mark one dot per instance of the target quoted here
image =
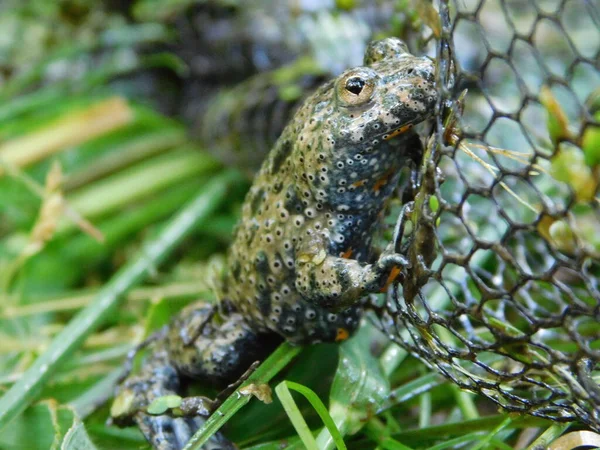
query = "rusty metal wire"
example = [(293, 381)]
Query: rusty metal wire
[(504, 239)]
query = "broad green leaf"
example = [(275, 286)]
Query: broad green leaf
[(77, 438), (359, 388), (46, 425)]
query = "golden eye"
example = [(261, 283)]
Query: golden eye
[(356, 88)]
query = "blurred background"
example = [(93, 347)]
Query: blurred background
[(115, 114)]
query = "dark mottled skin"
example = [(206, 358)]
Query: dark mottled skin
[(301, 256)]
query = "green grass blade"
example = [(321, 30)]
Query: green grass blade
[(290, 443), (24, 392), (391, 444), (483, 424), (465, 402), (291, 409), (548, 436), (83, 252), (72, 128), (30, 102), (425, 409), (267, 370), (320, 408), (413, 389), (133, 184), (500, 445), (453, 443), (124, 153), (483, 443)]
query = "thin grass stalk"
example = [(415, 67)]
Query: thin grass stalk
[(279, 359)]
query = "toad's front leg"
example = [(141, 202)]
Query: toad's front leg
[(335, 282)]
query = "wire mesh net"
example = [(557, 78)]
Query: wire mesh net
[(504, 232)]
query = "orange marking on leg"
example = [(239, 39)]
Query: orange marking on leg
[(399, 131), (348, 253), (393, 275), (342, 335), (382, 181)]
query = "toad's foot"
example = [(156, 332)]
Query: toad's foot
[(201, 344), (337, 282), (157, 378)]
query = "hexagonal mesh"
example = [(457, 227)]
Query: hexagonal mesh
[(505, 302)]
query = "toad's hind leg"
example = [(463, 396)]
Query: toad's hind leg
[(205, 344), (200, 343)]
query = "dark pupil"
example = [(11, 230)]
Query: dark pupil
[(355, 85)]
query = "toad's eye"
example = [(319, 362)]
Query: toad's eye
[(356, 87)]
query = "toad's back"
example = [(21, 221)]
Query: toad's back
[(299, 260)]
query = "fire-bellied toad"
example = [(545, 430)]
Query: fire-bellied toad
[(300, 260)]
